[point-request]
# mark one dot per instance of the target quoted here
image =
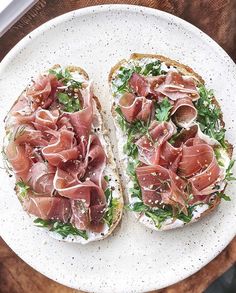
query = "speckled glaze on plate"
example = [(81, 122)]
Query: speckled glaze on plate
[(134, 258)]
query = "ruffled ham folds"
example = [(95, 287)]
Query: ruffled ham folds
[(135, 108), (184, 113), (172, 85), (57, 156), (176, 175), (150, 145), (161, 186)]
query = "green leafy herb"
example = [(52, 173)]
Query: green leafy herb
[(209, 116), (64, 229), (23, 188), (112, 204), (135, 191), (106, 178), (224, 196), (158, 216), (153, 68), (66, 77), (70, 104), (123, 78), (218, 156), (229, 174), (163, 110)]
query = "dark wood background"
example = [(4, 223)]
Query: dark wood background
[(215, 17)]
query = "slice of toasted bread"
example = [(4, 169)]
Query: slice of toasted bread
[(184, 70), (110, 171)]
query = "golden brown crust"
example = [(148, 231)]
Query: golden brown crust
[(186, 70)]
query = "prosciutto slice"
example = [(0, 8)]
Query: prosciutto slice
[(135, 108), (43, 91), (63, 150), (150, 145), (184, 112), (18, 158), (161, 186), (87, 198), (177, 87), (49, 208), (40, 178), (139, 84)]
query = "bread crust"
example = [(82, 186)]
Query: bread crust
[(185, 70)]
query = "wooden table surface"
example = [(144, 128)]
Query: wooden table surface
[(215, 17)]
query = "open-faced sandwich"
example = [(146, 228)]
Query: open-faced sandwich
[(58, 149), (172, 143)]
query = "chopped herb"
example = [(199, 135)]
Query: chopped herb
[(173, 138), (209, 116), (135, 191), (132, 165), (218, 156), (64, 229), (106, 178), (70, 104), (112, 204), (66, 77), (224, 196), (158, 216), (124, 77), (229, 174), (108, 194), (153, 68), (184, 218), (23, 188), (137, 207), (163, 110)]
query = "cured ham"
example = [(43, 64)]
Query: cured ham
[(63, 150), (160, 185), (48, 208), (135, 108), (150, 145), (177, 87), (184, 112), (173, 85), (56, 157)]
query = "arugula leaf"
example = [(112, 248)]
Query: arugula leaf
[(130, 148), (70, 104), (61, 74), (163, 110), (112, 204), (224, 196), (66, 77), (229, 174), (64, 229), (135, 191), (158, 215), (218, 156), (23, 188), (123, 78), (137, 207), (209, 116), (153, 68)]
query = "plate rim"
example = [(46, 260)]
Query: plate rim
[(98, 9)]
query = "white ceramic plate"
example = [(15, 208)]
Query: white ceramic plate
[(133, 259)]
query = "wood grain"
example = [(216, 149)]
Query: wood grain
[(215, 17)]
